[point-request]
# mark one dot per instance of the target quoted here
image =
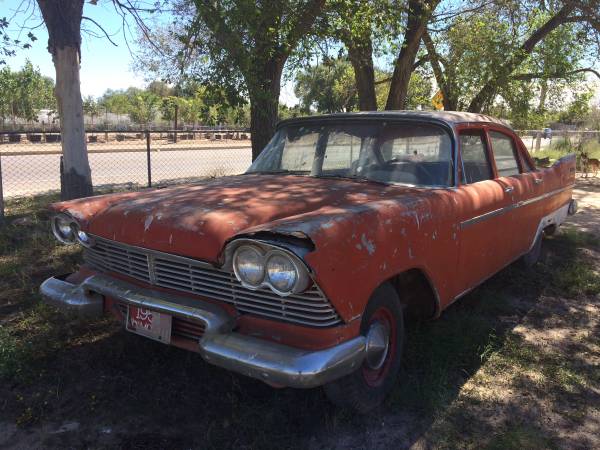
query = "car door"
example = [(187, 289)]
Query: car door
[(524, 185), (484, 229)]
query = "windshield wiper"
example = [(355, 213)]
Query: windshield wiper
[(354, 178)]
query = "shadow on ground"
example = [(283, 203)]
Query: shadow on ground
[(120, 390)]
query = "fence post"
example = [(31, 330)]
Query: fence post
[(1, 195), (148, 158)]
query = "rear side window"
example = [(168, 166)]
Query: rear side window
[(476, 166), (505, 154)]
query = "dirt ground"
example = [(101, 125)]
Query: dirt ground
[(587, 195), (515, 364)]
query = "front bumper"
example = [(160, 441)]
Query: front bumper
[(273, 363)]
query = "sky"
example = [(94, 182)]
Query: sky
[(103, 66)]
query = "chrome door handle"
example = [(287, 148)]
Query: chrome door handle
[(539, 181), (509, 189)]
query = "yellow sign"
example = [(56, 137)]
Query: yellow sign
[(438, 101)]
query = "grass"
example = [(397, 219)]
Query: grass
[(55, 368), (561, 147)]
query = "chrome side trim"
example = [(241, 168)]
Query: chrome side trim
[(488, 215), (271, 362)]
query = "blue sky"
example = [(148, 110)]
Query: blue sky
[(103, 65)]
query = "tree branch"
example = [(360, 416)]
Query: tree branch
[(533, 76), (101, 29)]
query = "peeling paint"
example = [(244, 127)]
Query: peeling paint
[(148, 222), (367, 244)]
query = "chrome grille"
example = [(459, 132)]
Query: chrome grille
[(200, 278)]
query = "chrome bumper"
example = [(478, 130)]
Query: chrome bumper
[(268, 361)]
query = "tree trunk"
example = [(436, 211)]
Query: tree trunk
[(63, 22), (541, 107), (449, 94), (77, 174), (264, 105), (418, 16), (503, 71), (361, 58)]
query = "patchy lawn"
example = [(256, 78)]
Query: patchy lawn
[(515, 364)]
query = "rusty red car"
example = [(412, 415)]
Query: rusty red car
[(302, 271)]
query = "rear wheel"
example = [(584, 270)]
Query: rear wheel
[(383, 326)]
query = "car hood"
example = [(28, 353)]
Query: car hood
[(197, 220)]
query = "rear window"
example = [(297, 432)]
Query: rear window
[(505, 154)]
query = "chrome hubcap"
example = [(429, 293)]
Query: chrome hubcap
[(378, 341)]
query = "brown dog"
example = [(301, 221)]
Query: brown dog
[(594, 165), (590, 165)]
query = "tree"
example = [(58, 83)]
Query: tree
[(419, 13), (63, 22), (364, 27), (24, 92), (509, 51), (117, 102), (143, 108), (328, 87), (91, 108), (257, 38), (8, 44)]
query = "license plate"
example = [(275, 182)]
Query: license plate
[(148, 323)]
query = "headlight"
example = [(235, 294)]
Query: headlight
[(85, 239), (64, 228), (248, 265), (281, 272), (264, 265)]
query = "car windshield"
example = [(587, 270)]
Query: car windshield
[(386, 152)]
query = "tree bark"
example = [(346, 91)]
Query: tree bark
[(503, 71), (361, 58), (418, 16), (442, 77), (541, 107), (264, 105), (63, 21)]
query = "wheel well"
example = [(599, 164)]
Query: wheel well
[(416, 293)]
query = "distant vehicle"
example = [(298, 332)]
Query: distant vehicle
[(547, 133), (302, 271)]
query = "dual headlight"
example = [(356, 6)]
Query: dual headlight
[(255, 267), (67, 230)]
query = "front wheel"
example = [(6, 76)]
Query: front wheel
[(383, 326)]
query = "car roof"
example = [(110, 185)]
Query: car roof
[(449, 117)]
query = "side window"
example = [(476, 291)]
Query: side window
[(505, 154), (476, 166), (525, 162)]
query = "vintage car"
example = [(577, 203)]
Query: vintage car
[(302, 271)]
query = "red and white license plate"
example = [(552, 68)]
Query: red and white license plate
[(148, 323)]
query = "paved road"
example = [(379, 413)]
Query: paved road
[(31, 174)]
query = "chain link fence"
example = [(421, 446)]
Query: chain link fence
[(30, 162)]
